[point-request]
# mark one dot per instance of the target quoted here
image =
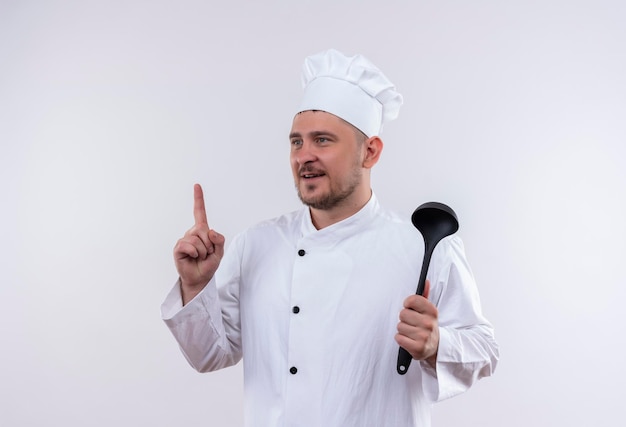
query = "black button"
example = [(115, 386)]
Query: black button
[(295, 309), (293, 370), (301, 252)]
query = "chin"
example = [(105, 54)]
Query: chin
[(311, 199), (320, 202)]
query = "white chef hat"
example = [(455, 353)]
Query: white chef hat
[(351, 88)]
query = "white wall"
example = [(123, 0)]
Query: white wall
[(514, 115)]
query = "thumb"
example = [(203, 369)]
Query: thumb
[(218, 241)]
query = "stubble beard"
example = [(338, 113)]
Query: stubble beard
[(334, 196)]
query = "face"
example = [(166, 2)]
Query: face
[(326, 161)]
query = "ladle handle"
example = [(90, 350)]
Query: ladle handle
[(404, 357)]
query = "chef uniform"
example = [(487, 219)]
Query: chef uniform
[(314, 312)]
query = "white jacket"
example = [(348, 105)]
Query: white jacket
[(314, 314)]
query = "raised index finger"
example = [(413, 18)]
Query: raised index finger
[(199, 212)]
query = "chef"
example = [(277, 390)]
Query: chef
[(316, 301)]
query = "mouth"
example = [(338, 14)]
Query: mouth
[(311, 174)]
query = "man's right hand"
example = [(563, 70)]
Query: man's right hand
[(198, 254)]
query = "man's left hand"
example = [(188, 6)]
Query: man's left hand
[(418, 330)]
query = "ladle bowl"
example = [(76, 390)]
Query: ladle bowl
[(434, 221)]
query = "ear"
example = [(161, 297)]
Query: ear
[(373, 147)]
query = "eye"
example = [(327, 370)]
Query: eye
[(296, 142), (321, 139)]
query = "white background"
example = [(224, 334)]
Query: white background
[(515, 115)]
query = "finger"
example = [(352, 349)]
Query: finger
[(200, 246), (199, 212), (420, 305), (200, 231), (192, 246), (414, 302), (403, 340), (405, 330), (412, 324), (416, 334), (407, 343), (185, 249), (410, 317)]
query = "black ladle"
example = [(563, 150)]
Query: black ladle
[(435, 221)]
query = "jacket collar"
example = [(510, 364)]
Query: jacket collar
[(342, 229)]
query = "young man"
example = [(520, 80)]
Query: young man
[(317, 301)]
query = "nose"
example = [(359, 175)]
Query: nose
[(304, 153)]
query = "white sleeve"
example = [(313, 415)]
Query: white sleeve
[(208, 328), (467, 350)]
